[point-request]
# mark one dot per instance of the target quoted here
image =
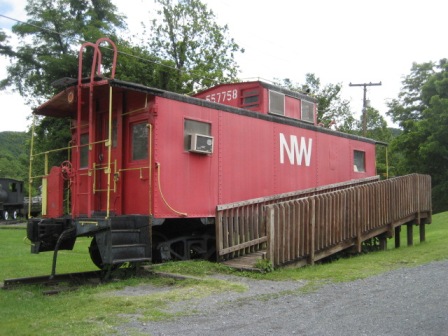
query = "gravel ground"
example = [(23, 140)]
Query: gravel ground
[(407, 301)]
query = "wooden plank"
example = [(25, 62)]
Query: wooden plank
[(251, 229), (299, 193), (296, 230), (358, 220), (246, 262), (219, 233), (312, 231), (271, 233), (243, 245), (332, 250), (307, 227), (282, 233)]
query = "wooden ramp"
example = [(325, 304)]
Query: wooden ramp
[(306, 226), (246, 262)]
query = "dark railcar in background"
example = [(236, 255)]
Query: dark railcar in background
[(11, 198)]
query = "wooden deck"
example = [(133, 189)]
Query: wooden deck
[(246, 262)]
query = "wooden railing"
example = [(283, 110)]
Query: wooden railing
[(312, 225), (315, 227), (241, 226)]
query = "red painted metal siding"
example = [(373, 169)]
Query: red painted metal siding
[(246, 147), (296, 158), (233, 94), (135, 178), (55, 193), (252, 157), (292, 108), (188, 181)]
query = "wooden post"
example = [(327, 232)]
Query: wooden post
[(312, 231), (397, 236), (383, 242), (422, 231), (358, 223), (219, 235), (270, 228), (410, 234)]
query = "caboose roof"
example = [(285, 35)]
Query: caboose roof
[(263, 84), (59, 106)]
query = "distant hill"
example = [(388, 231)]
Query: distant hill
[(13, 155), (395, 131)]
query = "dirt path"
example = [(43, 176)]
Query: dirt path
[(408, 301)]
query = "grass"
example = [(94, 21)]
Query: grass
[(97, 310)]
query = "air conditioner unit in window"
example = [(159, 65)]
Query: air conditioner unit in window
[(201, 144)]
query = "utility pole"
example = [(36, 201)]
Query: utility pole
[(364, 104)]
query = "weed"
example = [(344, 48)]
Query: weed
[(264, 265)]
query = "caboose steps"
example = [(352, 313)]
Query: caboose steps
[(130, 260), (122, 237), (125, 241), (127, 252)]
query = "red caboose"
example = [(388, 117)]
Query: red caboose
[(149, 166)]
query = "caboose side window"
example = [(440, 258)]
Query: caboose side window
[(307, 111), (359, 161), (250, 98), (84, 151), (276, 103), (192, 127), (139, 141)]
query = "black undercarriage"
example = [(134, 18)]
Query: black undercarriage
[(125, 239)]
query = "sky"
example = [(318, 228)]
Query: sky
[(345, 41)]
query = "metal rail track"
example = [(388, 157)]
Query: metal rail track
[(55, 284), (47, 280), (12, 222)]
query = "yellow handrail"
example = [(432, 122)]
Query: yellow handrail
[(163, 197), (109, 152), (30, 179)]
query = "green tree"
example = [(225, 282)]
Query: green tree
[(48, 50), (377, 129), (50, 40), (200, 51), (423, 144), (5, 48), (137, 64), (13, 158), (408, 107)]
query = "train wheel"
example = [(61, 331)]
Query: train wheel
[(95, 254), (15, 214), (157, 238), (5, 215)]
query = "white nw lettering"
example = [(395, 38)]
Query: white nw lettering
[(295, 152)]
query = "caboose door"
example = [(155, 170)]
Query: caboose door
[(106, 165)]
